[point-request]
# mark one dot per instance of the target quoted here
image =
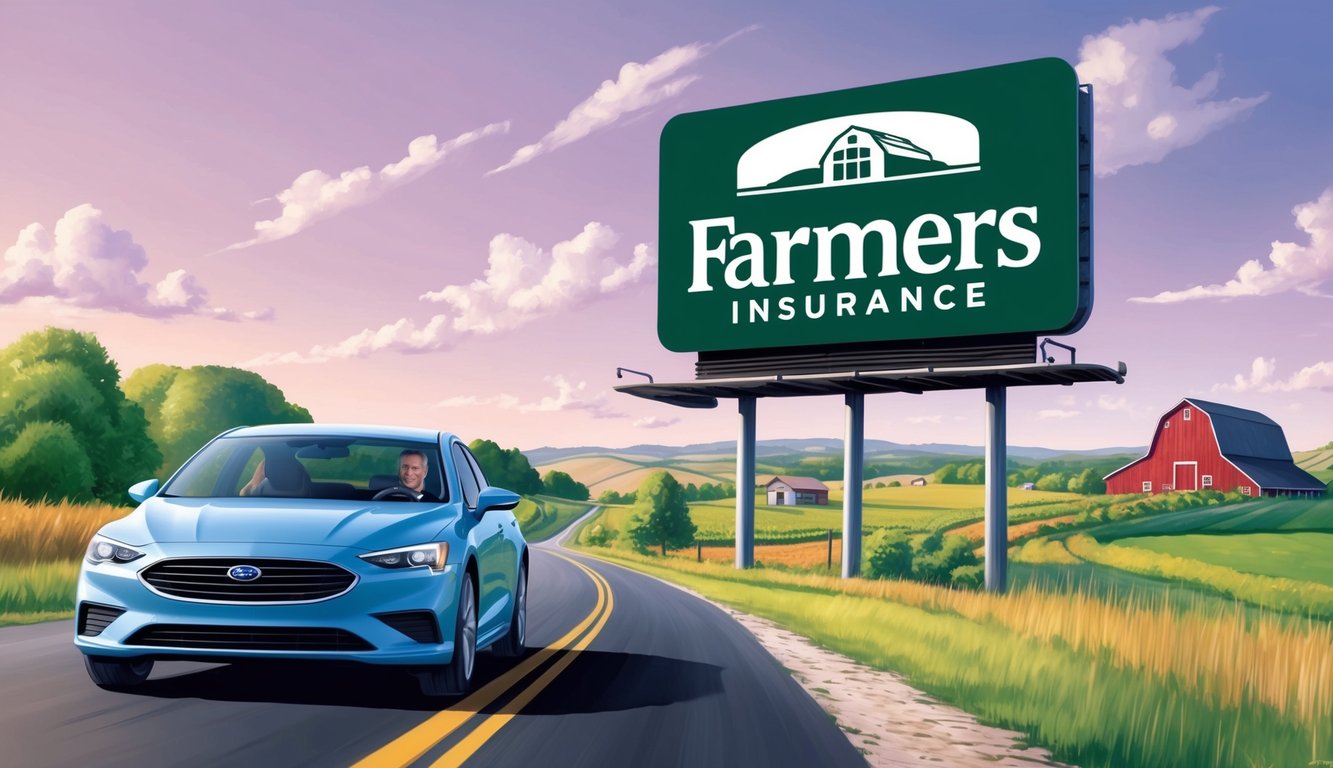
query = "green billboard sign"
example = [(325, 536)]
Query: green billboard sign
[(940, 207)]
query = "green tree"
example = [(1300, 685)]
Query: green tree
[(506, 468), (1055, 481), (187, 407), (1088, 481), (560, 484), (890, 555), (46, 461), (660, 516), (947, 474), (66, 377)]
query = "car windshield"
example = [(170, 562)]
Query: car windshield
[(312, 467)]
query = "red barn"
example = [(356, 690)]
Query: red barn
[(1202, 445)]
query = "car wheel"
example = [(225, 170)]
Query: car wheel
[(117, 673), (454, 678), (513, 643)]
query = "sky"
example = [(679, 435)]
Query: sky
[(445, 215)]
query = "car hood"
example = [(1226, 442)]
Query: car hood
[(365, 525)]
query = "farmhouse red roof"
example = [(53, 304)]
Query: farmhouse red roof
[(800, 483)]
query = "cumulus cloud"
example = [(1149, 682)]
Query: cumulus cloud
[(316, 195), (1291, 266), (1142, 115), (568, 397), (656, 422), (85, 262), (1263, 378), (1110, 403), (1055, 413), (522, 283), (638, 87)]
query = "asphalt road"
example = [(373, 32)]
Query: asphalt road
[(656, 677)]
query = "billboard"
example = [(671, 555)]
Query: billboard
[(940, 207)]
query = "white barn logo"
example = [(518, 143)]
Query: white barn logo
[(859, 149)]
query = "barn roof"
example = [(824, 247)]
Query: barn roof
[(1275, 473), (800, 483)]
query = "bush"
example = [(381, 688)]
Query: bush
[(46, 461), (895, 484), (600, 537), (890, 555), (938, 558), (969, 576)]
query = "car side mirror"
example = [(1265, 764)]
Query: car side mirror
[(141, 491), (496, 498)]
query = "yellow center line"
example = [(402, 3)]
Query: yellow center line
[(405, 749), (488, 727)]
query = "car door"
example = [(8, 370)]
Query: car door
[(492, 607), (508, 523)]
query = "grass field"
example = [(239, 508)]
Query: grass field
[(1101, 682), (1297, 556), (552, 517), (37, 591), (1264, 515), (41, 533)]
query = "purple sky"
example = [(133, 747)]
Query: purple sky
[(446, 217)]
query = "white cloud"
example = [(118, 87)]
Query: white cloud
[(1291, 267), (522, 283), (84, 262), (936, 419), (315, 195), (656, 422), (1109, 403), (1263, 378), (568, 397), (638, 87), (1142, 115), (1054, 413)]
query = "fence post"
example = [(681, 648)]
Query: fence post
[(698, 551), (830, 549)]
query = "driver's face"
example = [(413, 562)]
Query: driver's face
[(412, 472)]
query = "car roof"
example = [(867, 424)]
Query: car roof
[(341, 430)]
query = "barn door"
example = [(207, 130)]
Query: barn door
[(1187, 476), (781, 497)]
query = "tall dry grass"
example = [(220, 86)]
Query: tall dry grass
[(1221, 659), (45, 532)]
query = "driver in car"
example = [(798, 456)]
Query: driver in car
[(412, 469)]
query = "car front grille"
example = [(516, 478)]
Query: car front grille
[(280, 580), (248, 638), (94, 618)]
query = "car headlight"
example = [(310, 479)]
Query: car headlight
[(104, 550), (427, 555)]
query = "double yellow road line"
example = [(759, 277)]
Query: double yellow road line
[(408, 748)]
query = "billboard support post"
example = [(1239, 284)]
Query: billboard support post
[(745, 484), (997, 500), (853, 447)]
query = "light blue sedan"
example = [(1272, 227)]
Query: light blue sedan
[(307, 541)]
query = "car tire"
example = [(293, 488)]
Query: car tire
[(514, 642), (117, 673), (455, 678)]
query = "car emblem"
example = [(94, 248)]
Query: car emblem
[(244, 572)]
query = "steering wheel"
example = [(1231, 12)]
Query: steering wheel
[(395, 491)]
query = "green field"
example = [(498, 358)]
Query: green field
[(549, 516), (1299, 556), (1264, 515), (925, 508)]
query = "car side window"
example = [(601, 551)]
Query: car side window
[(466, 478), (476, 468)]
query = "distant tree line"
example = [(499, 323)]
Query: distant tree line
[(692, 493), (1048, 476)]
